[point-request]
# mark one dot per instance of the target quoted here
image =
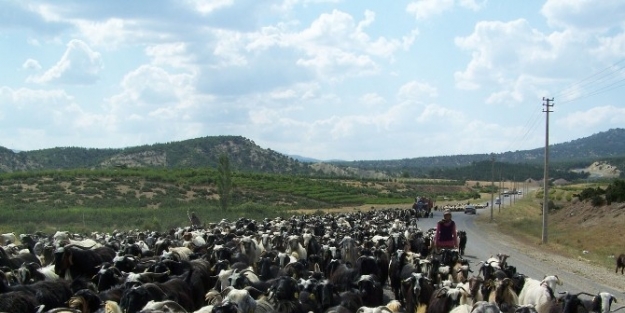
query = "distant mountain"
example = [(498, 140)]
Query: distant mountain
[(303, 158), (246, 156), (579, 152)]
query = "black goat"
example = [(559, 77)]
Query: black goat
[(85, 300), (18, 302), (73, 261), (135, 298), (52, 294), (371, 290), (620, 263), (17, 261), (462, 235)]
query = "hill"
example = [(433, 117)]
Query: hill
[(579, 153), (246, 156)]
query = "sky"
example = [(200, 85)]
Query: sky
[(325, 79)]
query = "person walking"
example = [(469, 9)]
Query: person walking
[(446, 236)]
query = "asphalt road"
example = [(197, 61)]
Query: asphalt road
[(481, 245)]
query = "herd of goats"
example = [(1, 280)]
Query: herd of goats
[(360, 262)]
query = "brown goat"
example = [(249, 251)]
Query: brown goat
[(620, 263)]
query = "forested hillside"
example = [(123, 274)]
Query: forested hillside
[(246, 156)]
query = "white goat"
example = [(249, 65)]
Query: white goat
[(62, 238), (244, 301), (379, 309), (7, 238), (294, 245), (162, 306), (539, 293)]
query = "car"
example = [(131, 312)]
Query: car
[(470, 209)]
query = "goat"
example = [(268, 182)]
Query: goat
[(477, 307), (72, 261), (620, 263), (378, 309), (601, 302), (51, 294), (31, 272), (17, 261), (443, 300), (135, 298), (162, 306), (395, 306), (62, 238), (7, 238), (569, 303), (504, 295), (539, 293), (242, 298), (462, 236), (18, 302)]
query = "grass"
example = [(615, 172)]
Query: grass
[(105, 200), (571, 228)]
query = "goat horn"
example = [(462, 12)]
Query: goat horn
[(585, 293)]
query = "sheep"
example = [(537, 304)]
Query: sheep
[(539, 293)]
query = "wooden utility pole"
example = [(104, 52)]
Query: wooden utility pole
[(492, 186), (547, 105)]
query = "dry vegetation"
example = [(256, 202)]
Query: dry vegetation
[(576, 229)]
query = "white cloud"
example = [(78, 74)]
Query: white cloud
[(175, 55), (585, 15), (423, 9), (208, 6), (45, 110), (472, 4), (501, 51), (335, 46), (372, 99), (416, 92), (582, 121), (31, 64), (438, 113), (79, 65)]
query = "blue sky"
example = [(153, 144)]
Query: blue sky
[(327, 79)]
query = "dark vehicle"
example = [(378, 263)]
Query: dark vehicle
[(470, 209)]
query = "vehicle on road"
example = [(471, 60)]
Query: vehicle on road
[(470, 209)]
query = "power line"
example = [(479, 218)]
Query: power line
[(605, 75)]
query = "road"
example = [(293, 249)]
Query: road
[(482, 244)]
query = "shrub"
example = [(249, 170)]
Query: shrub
[(597, 200)]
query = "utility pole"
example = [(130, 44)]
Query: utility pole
[(501, 195), (547, 105), (492, 186)]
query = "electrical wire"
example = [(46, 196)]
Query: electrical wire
[(596, 83)]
